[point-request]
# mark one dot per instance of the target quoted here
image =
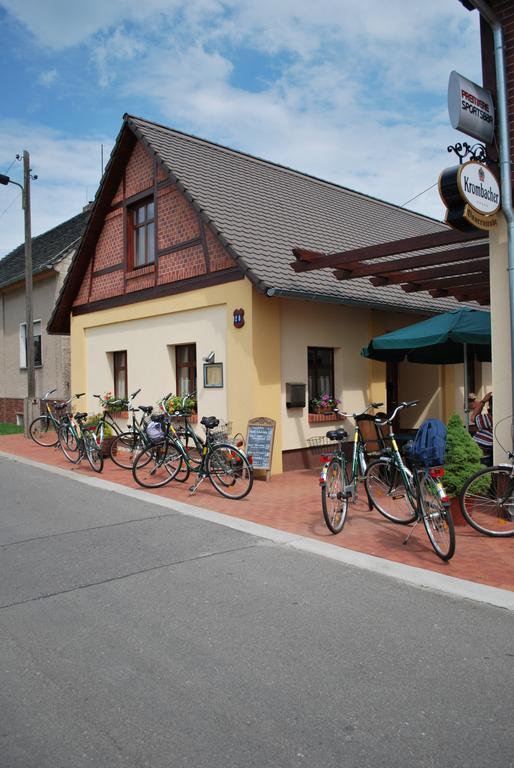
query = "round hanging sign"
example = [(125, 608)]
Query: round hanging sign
[(472, 196)]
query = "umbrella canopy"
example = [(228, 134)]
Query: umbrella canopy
[(443, 339)]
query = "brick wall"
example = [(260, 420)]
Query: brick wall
[(110, 243), (177, 219), (9, 407), (177, 224)]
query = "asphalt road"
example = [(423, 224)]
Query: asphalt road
[(132, 635)]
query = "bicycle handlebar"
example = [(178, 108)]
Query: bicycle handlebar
[(355, 415), (47, 394), (399, 407)]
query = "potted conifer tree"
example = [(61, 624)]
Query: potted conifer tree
[(462, 460)]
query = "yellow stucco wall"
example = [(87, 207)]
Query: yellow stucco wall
[(501, 341), (251, 355)]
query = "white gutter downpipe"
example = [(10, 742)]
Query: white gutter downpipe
[(505, 162)]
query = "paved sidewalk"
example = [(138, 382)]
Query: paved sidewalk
[(291, 502)]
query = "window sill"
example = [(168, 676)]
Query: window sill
[(321, 418), (140, 271)]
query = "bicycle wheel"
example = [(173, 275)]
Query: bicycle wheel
[(487, 501), (386, 489), (42, 430), (68, 443), (437, 519), (157, 465), (229, 471), (334, 499), (124, 448), (93, 452)]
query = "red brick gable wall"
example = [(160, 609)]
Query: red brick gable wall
[(185, 248)]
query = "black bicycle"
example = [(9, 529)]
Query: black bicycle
[(44, 429), (78, 441), (227, 466)]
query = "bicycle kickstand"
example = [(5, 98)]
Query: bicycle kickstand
[(406, 539), (193, 488)]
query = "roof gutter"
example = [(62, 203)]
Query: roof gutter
[(328, 299), (490, 17)]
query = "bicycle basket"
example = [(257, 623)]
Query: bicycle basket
[(221, 433), (318, 446)]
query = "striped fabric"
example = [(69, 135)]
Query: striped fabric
[(484, 434)]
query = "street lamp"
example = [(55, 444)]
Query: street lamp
[(25, 188)]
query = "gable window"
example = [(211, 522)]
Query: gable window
[(185, 362), (119, 360), (38, 357), (320, 361), (142, 233)]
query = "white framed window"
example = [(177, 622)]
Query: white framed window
[(38, 351)]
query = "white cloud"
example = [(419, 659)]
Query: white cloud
[(47, 78), (68, 171)]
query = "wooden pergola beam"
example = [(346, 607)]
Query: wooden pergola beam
[(481, 278), (413, 262), (417, 275), (308, 260)]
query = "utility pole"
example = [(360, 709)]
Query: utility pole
[(31, 381), (28, 407)]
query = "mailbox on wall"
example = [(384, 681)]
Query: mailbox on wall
[(295, 395)]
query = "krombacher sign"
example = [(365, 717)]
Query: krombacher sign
[(471, 195)]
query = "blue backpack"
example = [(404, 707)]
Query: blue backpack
[(429, 446)]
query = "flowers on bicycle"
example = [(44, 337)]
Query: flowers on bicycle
[(111, 403)]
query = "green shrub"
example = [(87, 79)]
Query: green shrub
[(462, 456)]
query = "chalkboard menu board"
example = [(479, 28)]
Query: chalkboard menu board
[(259, 442)]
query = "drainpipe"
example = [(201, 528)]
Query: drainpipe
[(505, 162)]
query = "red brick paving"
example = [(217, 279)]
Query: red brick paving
[(291, 502)]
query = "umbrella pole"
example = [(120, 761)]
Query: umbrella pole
[(466, 380)]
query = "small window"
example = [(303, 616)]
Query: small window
[(38, 353), (120, 374), (185, 362), (320, 362), (142, 233)]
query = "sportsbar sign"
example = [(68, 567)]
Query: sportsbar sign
[(471, 195), (470, 108)]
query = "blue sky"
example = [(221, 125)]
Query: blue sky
[(351, 92)]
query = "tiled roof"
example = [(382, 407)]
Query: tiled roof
[(262, 210), (47, 249)]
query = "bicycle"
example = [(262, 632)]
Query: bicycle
[(107, 417), (44, 429), (78, 441), (404, 495), (227, 467), (339, 477), (487, 500), (125, 445)]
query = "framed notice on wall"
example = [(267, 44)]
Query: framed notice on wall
[(260, 437)]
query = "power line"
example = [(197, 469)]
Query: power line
[(10, 204), (419, 194)]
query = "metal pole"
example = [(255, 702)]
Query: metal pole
[(489, 15), (31, 384), (466, 385)]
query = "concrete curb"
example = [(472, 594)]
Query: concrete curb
[(417, 577)]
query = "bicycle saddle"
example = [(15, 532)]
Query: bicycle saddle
[(146, 408), (81, 415), (209, 422), (59, 406), (337, 434)]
